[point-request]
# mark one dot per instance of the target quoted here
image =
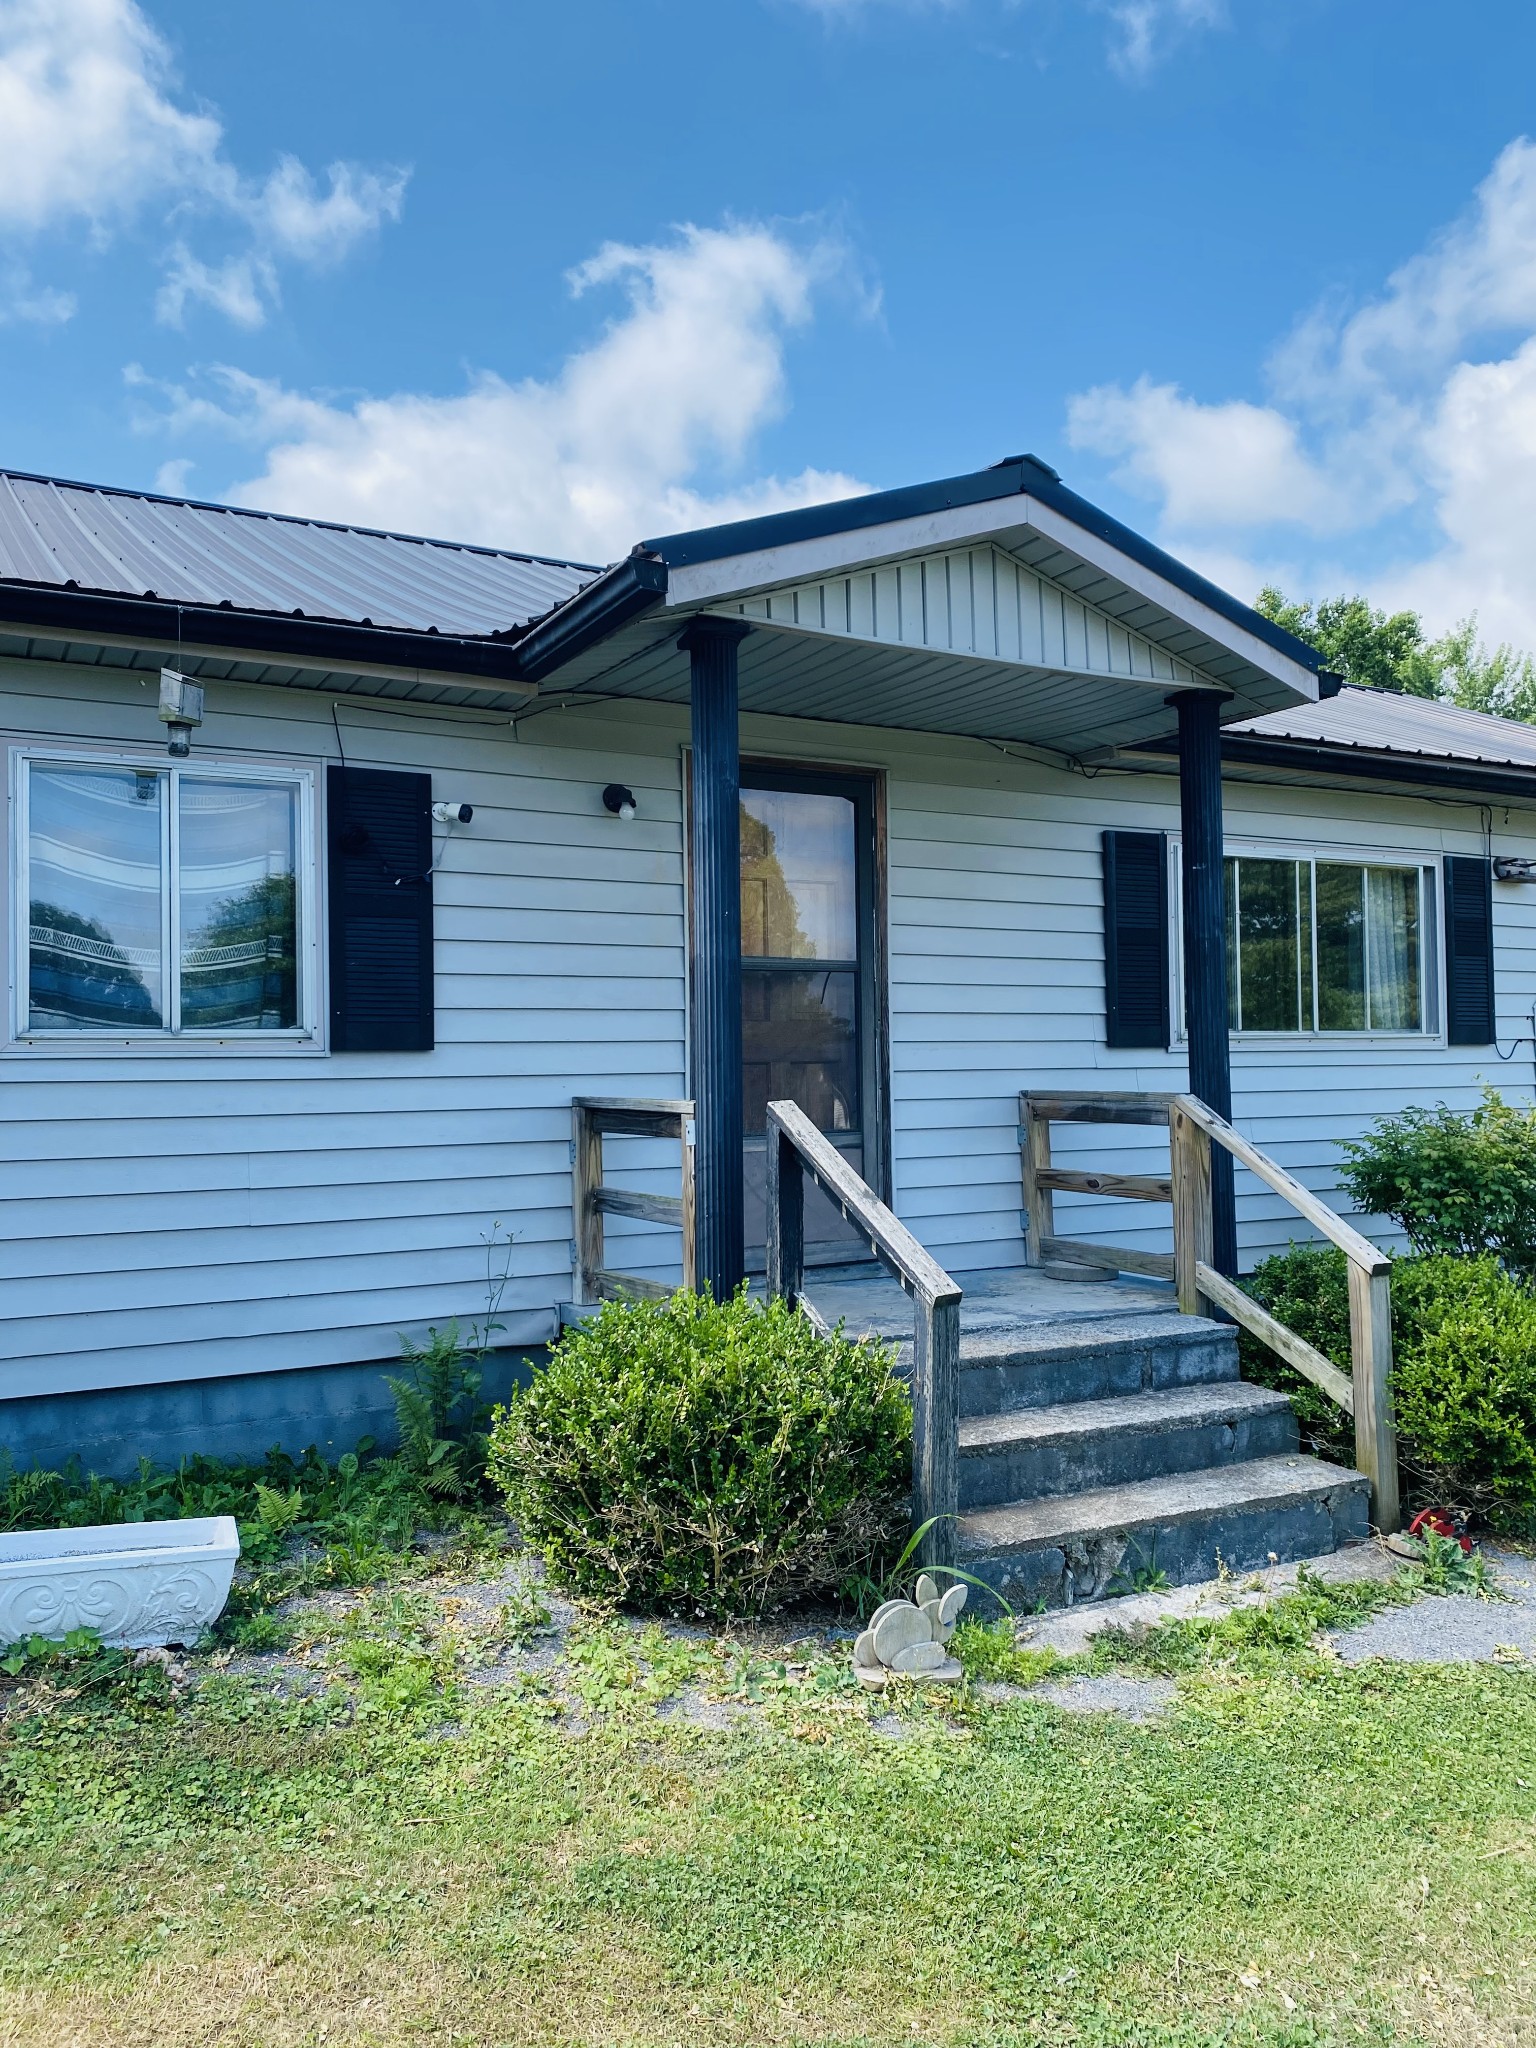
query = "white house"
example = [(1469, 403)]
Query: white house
[(285, 1040)]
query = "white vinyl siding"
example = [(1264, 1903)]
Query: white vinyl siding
[(169, 1214)]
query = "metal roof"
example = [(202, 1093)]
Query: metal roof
[(96, 539), (1385, 722)]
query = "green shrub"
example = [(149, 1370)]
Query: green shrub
[(1463, 1377), (1455, 1184), (1307, 1289), (716, 1458)]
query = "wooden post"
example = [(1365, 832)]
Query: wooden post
[(1189, 1151), (1039, 1203), (685, 1132), (1370, 1343), (586, 1217), (786, 1217), (711, 645), (1205, 940), (936, 1426)]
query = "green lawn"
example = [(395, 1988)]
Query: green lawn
[(1296, 1853)]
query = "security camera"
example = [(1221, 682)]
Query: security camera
[(453, 814)]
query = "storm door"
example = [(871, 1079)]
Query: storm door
[(809, 988)]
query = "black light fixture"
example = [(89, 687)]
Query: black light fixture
[(620, 800)]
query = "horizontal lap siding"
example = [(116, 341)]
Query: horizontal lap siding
[(167, 1215), (996, 948)]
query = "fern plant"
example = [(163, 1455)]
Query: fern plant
[(443, 1423)]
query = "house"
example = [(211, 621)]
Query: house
[(895, 807)]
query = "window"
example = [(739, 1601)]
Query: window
[(1316, 944), (161, 900)]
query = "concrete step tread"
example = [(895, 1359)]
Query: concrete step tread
[(1164, 1408), (1256, 1484), (991, 1342)]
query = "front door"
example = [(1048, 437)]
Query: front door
[(809, 992)]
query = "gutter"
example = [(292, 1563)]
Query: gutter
[(620, 594), (1322, 759), (333, 644)]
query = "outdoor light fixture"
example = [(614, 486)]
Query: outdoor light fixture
[(181, 707), (620, 800), (1510, 867), (453, 814)]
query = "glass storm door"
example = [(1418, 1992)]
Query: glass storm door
[(807, 984)]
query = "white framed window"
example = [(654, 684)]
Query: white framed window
[(1326, 944), (162, 902)]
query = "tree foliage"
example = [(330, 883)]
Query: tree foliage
[(1381, 650)]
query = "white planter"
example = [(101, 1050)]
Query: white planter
[(137, 1584)]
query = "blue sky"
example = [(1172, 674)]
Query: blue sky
[(1260, 275)]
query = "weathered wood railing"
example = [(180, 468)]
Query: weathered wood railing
[(796, 1148), (1192, 1129), (593, 1117)]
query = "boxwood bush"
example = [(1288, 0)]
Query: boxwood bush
[(1463, 1185), (1464, 1372), (718, 1459)]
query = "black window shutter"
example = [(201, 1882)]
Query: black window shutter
[(1136, 938), (1468, 950), (379, 844)]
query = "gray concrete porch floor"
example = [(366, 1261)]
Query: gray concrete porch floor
[(996, 1299)]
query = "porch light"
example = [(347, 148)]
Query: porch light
[(620, 800), (181, 708)]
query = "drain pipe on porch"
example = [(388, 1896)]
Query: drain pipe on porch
[(720, 1240), (1205, 942)]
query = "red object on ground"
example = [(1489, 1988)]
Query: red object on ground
[(1444, 1522)]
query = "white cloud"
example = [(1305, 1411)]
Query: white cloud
[(1142, 32), (91, 132), (1145, 31), (21, 299), (639, 432), (1414, 412)]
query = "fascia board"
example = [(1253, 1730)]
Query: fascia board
[(1169, 598)]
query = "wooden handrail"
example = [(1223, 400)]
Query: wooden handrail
[(593, 1116), (796, 1148), (1193, 1127)]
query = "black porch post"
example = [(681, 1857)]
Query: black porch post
[(721, 1250), (1205, 942)]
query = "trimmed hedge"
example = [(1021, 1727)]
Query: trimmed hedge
[(718, 1459), (1456, 1185), (1464, 1372)]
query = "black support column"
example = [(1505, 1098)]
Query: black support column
[(1205, 942), (718, 1163)]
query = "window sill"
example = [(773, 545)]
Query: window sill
[(291, 1045)]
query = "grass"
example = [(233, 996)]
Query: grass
[(1299, 1853)]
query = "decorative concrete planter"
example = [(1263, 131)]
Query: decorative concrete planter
[(137, 1584)]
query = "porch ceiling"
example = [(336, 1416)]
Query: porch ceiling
[(792, 673)]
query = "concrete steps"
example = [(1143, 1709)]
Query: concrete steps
[(1084, 1446), (1079, 1546), (1106, 1439)]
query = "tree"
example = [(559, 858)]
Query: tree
[(1378, 650)]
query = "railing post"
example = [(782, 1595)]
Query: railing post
[(1039, 1204), (586, 1217), (1370, 1343), (1189, 1154), (936, 1426), (786, 1216), (685, 1132)]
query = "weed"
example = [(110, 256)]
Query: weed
[(990, 1649)]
